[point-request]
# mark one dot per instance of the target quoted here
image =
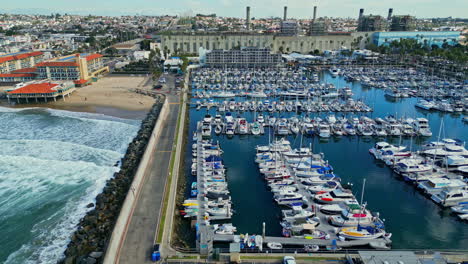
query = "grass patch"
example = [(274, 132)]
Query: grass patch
[(169, 179), (184, 257), (281, 257)]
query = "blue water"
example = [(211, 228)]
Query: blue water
[(415, 221), (52, 164)]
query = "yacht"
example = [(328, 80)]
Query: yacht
[(455, 161), (282, 128), (436, 185), (450, 198), (324, 130), (335, 196), (334, 71), (412, 165), (447, 150), (348, 218), (424, 104), (421, 126), (256, 128), (288, 198), (243, 126), (383, 146)]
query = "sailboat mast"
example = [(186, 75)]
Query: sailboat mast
[(362, 193)]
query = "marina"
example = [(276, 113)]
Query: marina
[(253, 128)]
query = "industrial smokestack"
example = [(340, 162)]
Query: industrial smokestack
[(390, 13), (361, 13), (285, 15), (247, 22), (315, 12)]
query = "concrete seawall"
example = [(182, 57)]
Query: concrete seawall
[(121, 226)]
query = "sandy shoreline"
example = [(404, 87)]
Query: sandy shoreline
[(109, 96)]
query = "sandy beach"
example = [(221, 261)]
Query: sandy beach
[(110, 96)]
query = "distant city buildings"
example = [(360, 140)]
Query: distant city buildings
[(426, 38), (288, 28), (402, 23)]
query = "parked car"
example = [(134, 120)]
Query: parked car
[(289, 260)]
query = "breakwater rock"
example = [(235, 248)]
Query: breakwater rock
[(89, 242)]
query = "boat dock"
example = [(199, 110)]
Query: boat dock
[(293, 241), (205, 214)]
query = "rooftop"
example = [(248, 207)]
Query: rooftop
[(57, 64), (18, 56), (45, 87)]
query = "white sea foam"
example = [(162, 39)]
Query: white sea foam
[(65, 195), (52, 164), (59, 151)]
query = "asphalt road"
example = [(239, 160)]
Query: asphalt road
[(140, 236)]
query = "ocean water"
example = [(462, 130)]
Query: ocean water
[(52, 164), (414, 220)]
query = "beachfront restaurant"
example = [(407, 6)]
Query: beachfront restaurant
[(40, 91)]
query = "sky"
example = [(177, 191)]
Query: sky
[(236, 8)]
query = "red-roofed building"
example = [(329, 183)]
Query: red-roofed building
[(15, 61), (40, 90), (88, 67), (25, 70), (17, 77), (72, 67)]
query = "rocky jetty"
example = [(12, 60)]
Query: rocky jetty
[(89, 242)]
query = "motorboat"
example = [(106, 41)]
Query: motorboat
[(296, 214), (450, 198), (447, 150), (288, 198), (224, 229), (421, 126), (256, 128), (436, 185), (460, 208), (334, 71), (335, 196), (455, 161), (384, 146), (321, 188), (324, 130), (274, 245), (412, 165)]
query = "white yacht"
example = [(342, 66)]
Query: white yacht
[(455, 161), (334, 71), (421, 126), (383, 146), (436, 185), (335, 196), (450, 198), (447, 150), (412, 165), (424, 104), (324, 130), (348, 218)]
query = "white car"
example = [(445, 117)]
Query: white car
[(289, 260)]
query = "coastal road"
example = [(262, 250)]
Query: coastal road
[(140, 236)]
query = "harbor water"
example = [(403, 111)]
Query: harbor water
[(53, 163), (414, 220)]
